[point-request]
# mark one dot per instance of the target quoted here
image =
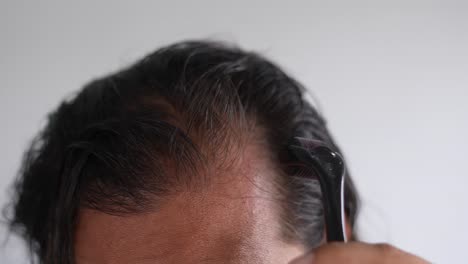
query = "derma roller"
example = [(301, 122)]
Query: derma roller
[(330, 170)]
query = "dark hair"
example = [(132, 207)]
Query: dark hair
[(150, 130)]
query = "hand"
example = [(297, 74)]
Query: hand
[(358, 253)]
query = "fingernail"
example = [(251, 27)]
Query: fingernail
[(304, 259)]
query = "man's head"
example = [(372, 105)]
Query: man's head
[(180, 158)]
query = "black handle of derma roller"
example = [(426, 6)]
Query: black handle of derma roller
[(329, 167)]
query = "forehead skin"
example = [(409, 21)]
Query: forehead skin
[(235, 220)]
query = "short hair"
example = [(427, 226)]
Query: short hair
[(147, 131)]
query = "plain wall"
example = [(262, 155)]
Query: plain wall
[(391, 78)]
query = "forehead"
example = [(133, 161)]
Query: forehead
[(231, 221)]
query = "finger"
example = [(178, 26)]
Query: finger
[(355, 252)]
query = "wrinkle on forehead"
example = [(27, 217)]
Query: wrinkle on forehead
[(233, 220)]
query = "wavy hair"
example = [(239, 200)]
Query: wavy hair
[(147, 131)]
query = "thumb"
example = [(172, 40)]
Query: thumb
[(356, 252)]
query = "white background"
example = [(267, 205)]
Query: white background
[(391, 78)]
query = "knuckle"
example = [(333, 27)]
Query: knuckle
[(387, 251)]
